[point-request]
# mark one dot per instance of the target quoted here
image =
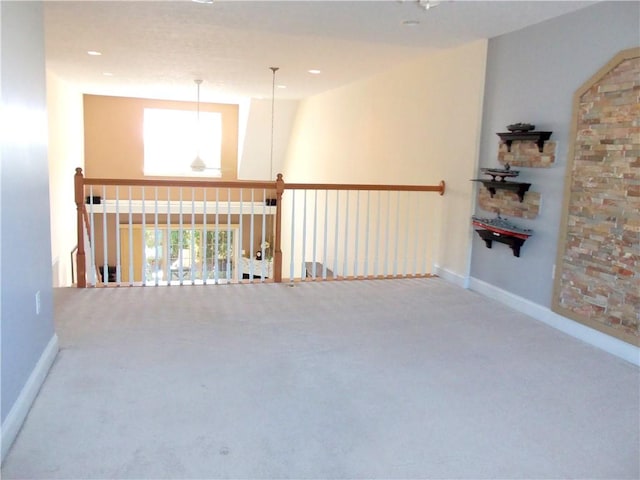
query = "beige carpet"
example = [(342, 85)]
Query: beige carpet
[(411, 378)]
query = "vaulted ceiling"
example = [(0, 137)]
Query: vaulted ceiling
[(158, 48)]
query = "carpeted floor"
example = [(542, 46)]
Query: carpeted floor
[(410, 378)]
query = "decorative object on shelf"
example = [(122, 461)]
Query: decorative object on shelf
[(520, 127), (259, 255), (95, 200), (538, 137), (501, 230), (501, 174), (502, 226)]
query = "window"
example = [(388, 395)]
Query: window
[(172, 139)]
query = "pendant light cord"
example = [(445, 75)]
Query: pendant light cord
[(198, 82), (273, 97)]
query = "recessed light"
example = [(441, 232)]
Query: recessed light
[(107, 74), (281, 86), (314, 71), (428, 4), (411, 23), (94, 53), (203, 1)]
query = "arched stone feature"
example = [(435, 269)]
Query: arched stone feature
[(597, 279)]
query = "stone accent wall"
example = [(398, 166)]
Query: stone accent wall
[(526, 154), (507, 203), (599, 280)]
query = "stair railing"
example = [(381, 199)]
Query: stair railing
[(327, 231)]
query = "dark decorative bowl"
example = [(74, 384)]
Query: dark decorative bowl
[(520, 127)]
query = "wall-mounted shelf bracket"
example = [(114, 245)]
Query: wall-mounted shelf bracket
[(538, 137), (492, 185), (514, 242)]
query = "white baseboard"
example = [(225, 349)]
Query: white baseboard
[(451, 277), (18, 413), (605, 342)]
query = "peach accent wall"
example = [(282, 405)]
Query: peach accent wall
[(114, 145), (416, 124), (64, 108)]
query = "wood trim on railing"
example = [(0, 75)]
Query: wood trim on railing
[(353, 186), (363, 277), (277, 257), (80, 208), (262, 184), (181, 183)]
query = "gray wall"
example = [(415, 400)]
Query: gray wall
[(25, 251), (531, 77)]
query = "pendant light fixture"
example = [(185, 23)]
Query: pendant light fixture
[(273, 97), (198, 165)]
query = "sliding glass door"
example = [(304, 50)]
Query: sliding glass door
[(179, 254)]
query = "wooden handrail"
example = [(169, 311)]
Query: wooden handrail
[(440, 188), (181, 183)]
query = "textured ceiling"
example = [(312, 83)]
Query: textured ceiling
[(157, 48)]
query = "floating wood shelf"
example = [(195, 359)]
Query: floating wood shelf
[(514, 242), (492, 185), (538, 137)]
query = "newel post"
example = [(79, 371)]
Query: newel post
[(80, 257), (277, 259)]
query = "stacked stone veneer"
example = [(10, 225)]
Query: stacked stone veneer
[(525, 153), (600, 279), (507, 203)]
